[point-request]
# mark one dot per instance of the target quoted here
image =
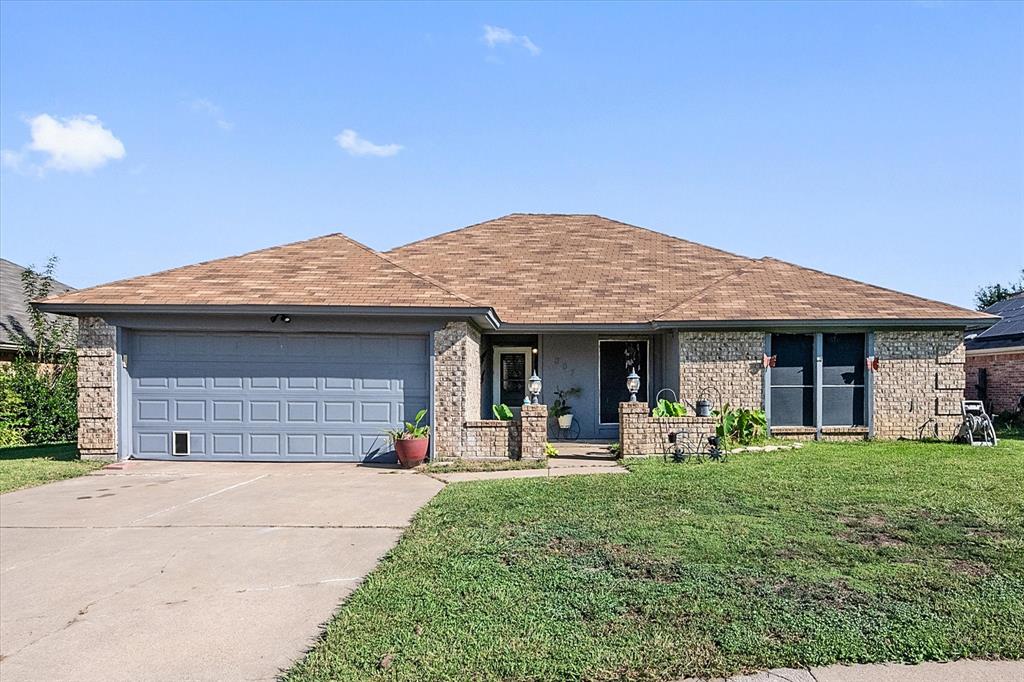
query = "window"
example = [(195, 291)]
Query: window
[(792, 387), (616, 360), (829, 384), (842, 380), (512, 369)]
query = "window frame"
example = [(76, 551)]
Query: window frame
[(818, 360)]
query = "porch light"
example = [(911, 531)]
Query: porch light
[(535, 387), (633, 385)]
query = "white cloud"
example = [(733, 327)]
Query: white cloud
[(79, 143), (496, 35), (214, 111), (350, 141)]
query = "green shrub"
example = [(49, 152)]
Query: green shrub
[(39, 402), (667, 408), (550, 450), (740, 426)]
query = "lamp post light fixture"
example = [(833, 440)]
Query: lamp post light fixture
[(535, 386), (633, 385)]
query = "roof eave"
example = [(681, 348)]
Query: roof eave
[(860, 323), (484, 317)]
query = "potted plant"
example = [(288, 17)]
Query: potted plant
[(560, 409), (411, 441)]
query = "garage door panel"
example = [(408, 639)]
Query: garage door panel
[(274, 397)]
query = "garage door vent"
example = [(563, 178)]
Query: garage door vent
[(181, 442)]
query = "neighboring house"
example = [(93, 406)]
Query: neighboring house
[(15, 328), (995, 358), (309, 350)]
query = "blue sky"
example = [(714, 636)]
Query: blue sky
[(883, 142)]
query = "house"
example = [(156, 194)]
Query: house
[(308, 351), (995, 359), (15, 328)]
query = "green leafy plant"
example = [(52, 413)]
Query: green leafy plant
[(411, 430), (39, 402), (550, 450), (615, 448), (667, 408), (502, 412), (561, 407), (740, 426)]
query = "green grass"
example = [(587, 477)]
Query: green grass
[(22, 467), (837, 552)]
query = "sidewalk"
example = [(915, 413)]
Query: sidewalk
[(956, 671)]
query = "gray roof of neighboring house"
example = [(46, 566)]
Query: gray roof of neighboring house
[(14, 320), (1007, 332)]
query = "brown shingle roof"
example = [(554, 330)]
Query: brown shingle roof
[(329, 271), (543, 269), (532, 269)]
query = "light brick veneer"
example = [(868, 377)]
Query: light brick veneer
[(490, 438), (97, 389), (1005, 378), (642, 434), (919, 383), (456, 386), (534, 430), (727, 361)]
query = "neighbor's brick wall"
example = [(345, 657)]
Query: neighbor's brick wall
[(919, 383), (97, 389), (729, 361), (1005, 379), (642, 434), (456, 386)]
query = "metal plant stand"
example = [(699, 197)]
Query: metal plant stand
[(686, 447)]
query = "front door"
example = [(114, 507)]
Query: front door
[(617, 359), (512, 369)]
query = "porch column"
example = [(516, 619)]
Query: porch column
[(456, 386), (632, 432), (534, 434)]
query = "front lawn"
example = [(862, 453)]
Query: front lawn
[(837, 552), (22, 467)]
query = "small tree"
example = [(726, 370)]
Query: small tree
[(993, 293), (39, 391)]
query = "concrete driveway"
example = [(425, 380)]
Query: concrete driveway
[(189, 570)]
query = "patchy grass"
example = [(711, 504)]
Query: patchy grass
[(836, 552), (460, 465), (22, 467)]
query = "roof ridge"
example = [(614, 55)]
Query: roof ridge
[(714, 284), (425, 278), (868, 284), (452, 231), (191, 265)]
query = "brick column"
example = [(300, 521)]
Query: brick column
[(534, 431), (632, 419), (97, 390), (456, 386)]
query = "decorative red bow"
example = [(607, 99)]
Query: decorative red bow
[(871, 363), (768, 360)]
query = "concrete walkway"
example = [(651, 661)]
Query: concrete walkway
[(189, 570), (563, 465), (956, 671)]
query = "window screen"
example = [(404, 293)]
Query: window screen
[(842, 380), (792, 380)]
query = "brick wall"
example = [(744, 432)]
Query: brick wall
[(919, 383), (729, 361), (1005, 379), (642, 434), (490, 438), (97, 389), (534, 430), (456, 386)]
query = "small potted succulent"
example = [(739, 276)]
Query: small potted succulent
[(561, 409), (411, 441)]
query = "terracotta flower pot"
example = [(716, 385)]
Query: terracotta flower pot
[(412, 451)]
